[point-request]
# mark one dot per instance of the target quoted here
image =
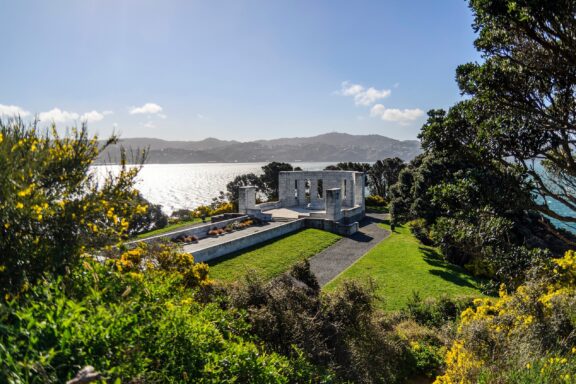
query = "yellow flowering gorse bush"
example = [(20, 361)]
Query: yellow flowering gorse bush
[(52, 206), (532, 329)]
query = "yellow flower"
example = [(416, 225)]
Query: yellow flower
[(27, 191), (1, 137), (19, 205), (141, 209)]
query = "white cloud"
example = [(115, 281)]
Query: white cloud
[(12, 110), (363, 96), (58, 116), (402, 116), (92, 116), (107, 112), (149, 125), (146, 109)]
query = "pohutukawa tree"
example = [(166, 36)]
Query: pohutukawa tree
[(523, 96)]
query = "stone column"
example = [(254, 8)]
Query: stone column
[(246, 199), (333, 204), (301, 192), (359, 189), (283, 194), (313, 192), (349, 198)]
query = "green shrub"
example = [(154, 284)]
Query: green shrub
[(341, 332), (183, 215), (135, 327), (375, 201), (419, 229)]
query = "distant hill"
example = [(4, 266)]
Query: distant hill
[(326, 147)]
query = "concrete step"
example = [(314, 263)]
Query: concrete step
[(283, 219)]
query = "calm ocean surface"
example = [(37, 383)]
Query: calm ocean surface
[(176, 186)]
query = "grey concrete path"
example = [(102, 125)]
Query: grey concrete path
[(327, 264)]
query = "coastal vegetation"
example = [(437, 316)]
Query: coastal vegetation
[(474, 284)]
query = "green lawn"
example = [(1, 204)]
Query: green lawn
[(170, 228), (274, 257), (400, 265)]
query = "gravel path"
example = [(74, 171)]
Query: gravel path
[(330, 262)]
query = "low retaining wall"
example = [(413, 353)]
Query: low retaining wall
[(238, 244), (353, 214), (199, 231), (269, 205), (332, 226), (225, 216)]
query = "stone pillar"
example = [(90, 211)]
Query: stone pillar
[(246, 199), (359, 189), (315, 202), (333, 204), (301, 192), (284, 190), (349, 198)]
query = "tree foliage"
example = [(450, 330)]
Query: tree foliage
[(476, 207), (233, 187), (269, 178), (523, 95), (146, 219), (52, 206), (383, 174)]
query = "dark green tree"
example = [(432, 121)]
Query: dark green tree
[(269, 179), (233, 187), (383, 174), (523, 96)]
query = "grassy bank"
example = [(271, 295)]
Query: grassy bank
[(401, 265), (170, 228), (274, 257)]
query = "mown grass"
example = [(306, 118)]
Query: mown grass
[(170, 228), (272, 258), (401, 265)]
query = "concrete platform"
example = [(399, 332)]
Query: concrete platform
[(210, 248), (293, 212)]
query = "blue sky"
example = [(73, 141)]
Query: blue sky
[(242, 70)]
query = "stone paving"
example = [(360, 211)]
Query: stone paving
[(292, 212), (215, 240), (329, 263)]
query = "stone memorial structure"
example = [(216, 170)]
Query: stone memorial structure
[(332, 195), (327, 200)]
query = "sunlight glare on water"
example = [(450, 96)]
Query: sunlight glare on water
[(177, 186)]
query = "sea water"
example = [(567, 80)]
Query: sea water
[(187, 186)]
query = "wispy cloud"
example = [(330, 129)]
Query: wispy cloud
[(402, 116), (363, 96), (12, 110), (58, 115), (146, 109)]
